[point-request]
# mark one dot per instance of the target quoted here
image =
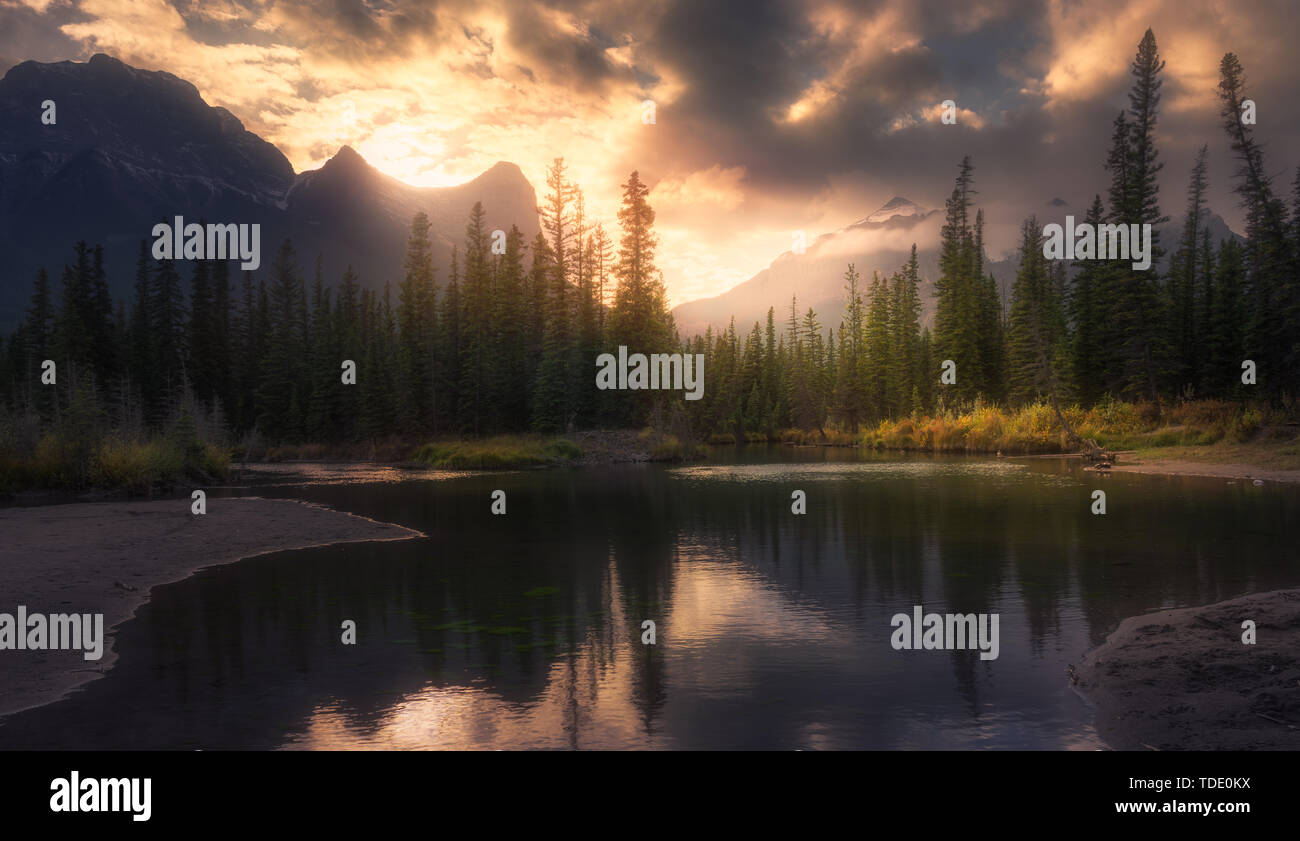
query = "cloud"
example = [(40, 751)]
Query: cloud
[(706, 190), (771, 115)]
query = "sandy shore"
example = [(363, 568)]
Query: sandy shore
[(1213, 470), (105, 557), (1183, 679)]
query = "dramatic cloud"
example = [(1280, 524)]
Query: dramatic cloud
[(771, 116)]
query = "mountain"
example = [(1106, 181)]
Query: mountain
[(131, 148), (881, 242), (897, 207), (1172, 232)]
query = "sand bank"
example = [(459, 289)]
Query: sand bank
[(105, 557), (1248, 472), (1183, 679)]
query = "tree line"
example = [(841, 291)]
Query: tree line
[(509, 340), (1102, 331), (506, 343)]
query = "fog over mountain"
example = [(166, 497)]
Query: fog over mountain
[(880, 242), (132, 148)]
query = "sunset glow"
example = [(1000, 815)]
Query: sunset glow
[(741, 153)]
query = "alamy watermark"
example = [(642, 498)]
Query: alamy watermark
[(107, 794), (948, 631), (1098, 242), (215, 242), (656, 371), (53, 632)]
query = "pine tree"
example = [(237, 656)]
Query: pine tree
[(104, 348), (877, 344), (415, 306), (1182, 284), (349, 344), (279, 397), (509, 337), (850, 387), (37, 345), (811, 412), (1272, 285), (202, 340), (1206, 293), (1230, 318), (75, 321), (450, 342), (905, 334), (1139, 314), (1089, 355), (1036, 329), (639, 318), (552, 394), (602, 262), (324, 368), (223, 330), (475, 408), (167, 318)]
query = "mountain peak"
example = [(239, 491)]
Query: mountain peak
[(105, 60), (499, 173), (347, 155), (897, 206)]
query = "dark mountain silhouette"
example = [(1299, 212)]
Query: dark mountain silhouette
[(132, 148)]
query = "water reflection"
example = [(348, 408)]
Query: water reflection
[(773, 628)]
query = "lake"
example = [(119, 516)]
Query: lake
[(773, 629)]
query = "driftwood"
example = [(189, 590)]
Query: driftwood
[(1092, 453), (1088, 448)]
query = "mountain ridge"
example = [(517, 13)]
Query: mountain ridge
[(133, 147)]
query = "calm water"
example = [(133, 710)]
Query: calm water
[(773, 629)]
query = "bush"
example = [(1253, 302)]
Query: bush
[(498, 453), (1202, 413), (136, 466), (1243, 427), (671, 448)]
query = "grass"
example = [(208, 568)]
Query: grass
[(112, 463), (1031, 429), (1193, 427), (136, 466), (498, 452), (664, 446), (389, 450), (1263, 453)]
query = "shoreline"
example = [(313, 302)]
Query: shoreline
[(1207, 469), (54, 560), (1182, 679)]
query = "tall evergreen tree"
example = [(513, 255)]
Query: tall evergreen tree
[(1182, 284), (1272, 285)]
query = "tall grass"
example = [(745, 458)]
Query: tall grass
[(112, 463), (77, 452), (1036, 429), (501, 451)]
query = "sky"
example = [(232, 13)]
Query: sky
[(769, 117)]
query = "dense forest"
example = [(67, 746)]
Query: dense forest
[(508, 341)]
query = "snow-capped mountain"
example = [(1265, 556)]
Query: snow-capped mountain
[(899, 207)]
